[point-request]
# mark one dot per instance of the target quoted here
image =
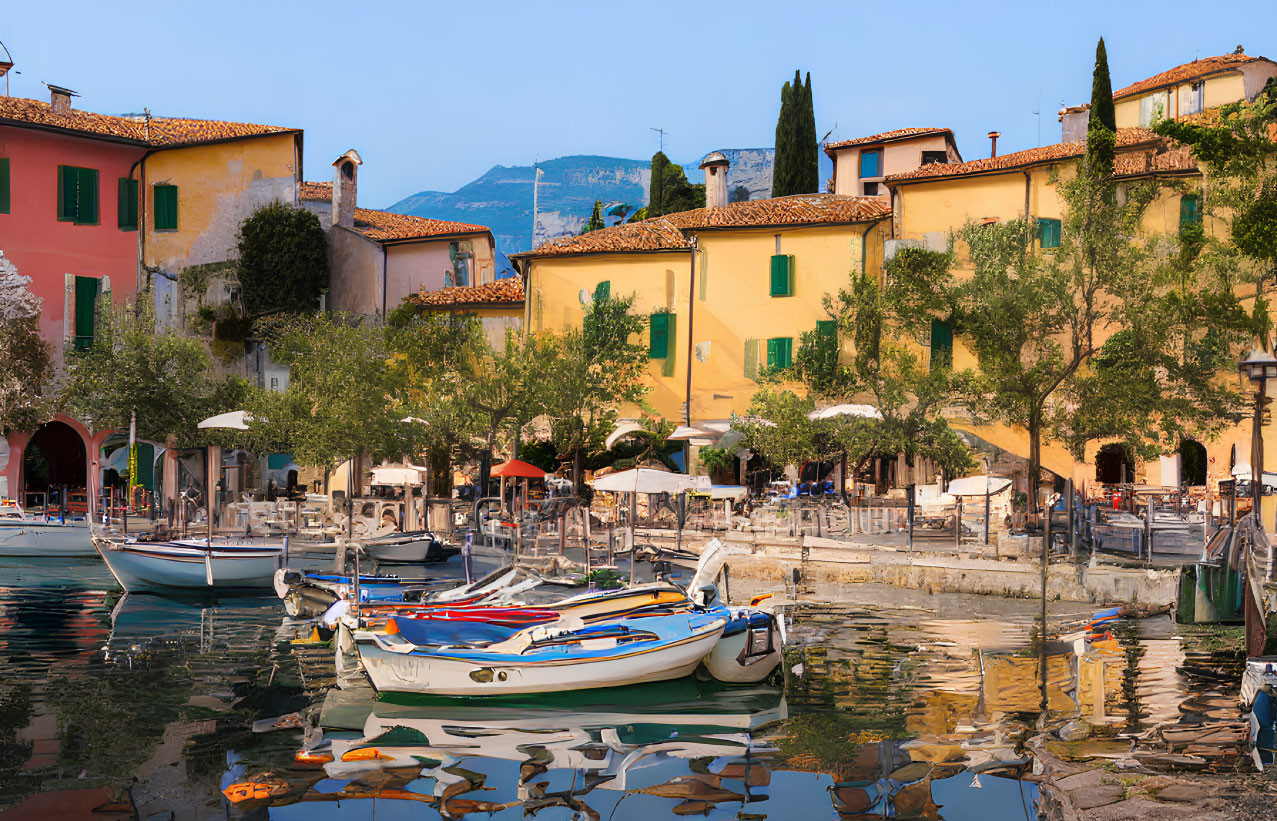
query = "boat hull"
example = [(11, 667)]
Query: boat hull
[(36, 537), (748, 652), (170, 566), (469, 674), (425, 550)]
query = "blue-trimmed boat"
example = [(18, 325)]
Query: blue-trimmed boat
[(190, 564)]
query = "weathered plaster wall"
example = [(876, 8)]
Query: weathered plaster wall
[(356, 272), (219, 185)]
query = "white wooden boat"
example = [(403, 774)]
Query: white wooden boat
[(419, 547), (564, 655), (750, 648), (25, 534), (190, 564)]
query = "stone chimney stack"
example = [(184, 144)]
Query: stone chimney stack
[(345, 183), (715, 165), (61, 98)]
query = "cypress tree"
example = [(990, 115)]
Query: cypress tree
[(782, 162), (808, 153), (796, 167), (1101, 125), (596, 218)]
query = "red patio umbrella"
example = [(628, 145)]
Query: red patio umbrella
[(516, 469)]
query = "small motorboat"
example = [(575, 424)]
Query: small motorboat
[(51, 534), (189, 564), (417, 547), (466, 658), (750, 648)]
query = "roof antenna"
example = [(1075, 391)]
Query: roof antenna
[(662, 132)]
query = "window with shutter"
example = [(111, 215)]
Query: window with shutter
[(941, 344), (166, 208), (827, 328), (871, 163), (780, 352), (751, 358), (1189, 210), (603, 290), (126, 205), (659, 336), (4, 185), (87, 290), (782, 275), (77, 195), (1049, 233)]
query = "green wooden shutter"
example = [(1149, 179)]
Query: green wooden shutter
[(751, 358), (126, 205), (941, 344), (782, 278), (671, 338), (145, 465), (780, 352), (1049, 233), (165, 207), (87, 184), (1189, 210), (86, 298), (827, 328), (603, 290), (4, 185), (659, 336), (68, 193)]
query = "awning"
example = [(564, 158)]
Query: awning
[(683, 432), (622, 430), (645, 480), (396, 477), (978, 486)]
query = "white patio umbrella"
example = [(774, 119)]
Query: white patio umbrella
[(234, 420), (643, 480), (978, 486), (865, 411)]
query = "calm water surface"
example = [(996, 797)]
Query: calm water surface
[(892, 703)]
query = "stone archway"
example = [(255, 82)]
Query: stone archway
[(54, 456), (1192, 463), (1114, 465)]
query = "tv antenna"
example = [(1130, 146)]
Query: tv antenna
[(662, 132)]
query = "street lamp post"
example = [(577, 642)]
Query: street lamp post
[(1259, 367)]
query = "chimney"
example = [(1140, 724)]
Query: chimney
[(993, 139), (60, 98), (715, 165), (345, 179)]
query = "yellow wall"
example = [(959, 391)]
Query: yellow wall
[(730, 305), (218, 186), (1222, 89)]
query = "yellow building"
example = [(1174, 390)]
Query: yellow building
[(728, 289), (932, 202)]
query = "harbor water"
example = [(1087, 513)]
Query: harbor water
[(890, 703)]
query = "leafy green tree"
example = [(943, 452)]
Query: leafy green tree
[(283, 260), (26, 365), (796, 169), (1101, 126), (340, 399), (135, 365), (595, 222), (588, 374), (669, 191)]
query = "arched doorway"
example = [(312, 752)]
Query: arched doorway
[(54, 457), (1114, 465), (1192, 463)]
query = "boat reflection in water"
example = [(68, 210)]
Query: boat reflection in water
[(688, 744)]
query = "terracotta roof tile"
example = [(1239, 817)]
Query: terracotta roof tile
[(1187, 71), (667, 233), (387, 225), (158, 132), (1128, 140), (318, 191), (892, 136), (504, 291)]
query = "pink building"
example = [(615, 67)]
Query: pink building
[(70, 185), (862, 164)]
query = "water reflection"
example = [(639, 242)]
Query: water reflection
[(914, 710)]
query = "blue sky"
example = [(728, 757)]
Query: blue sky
[(433, 94)]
